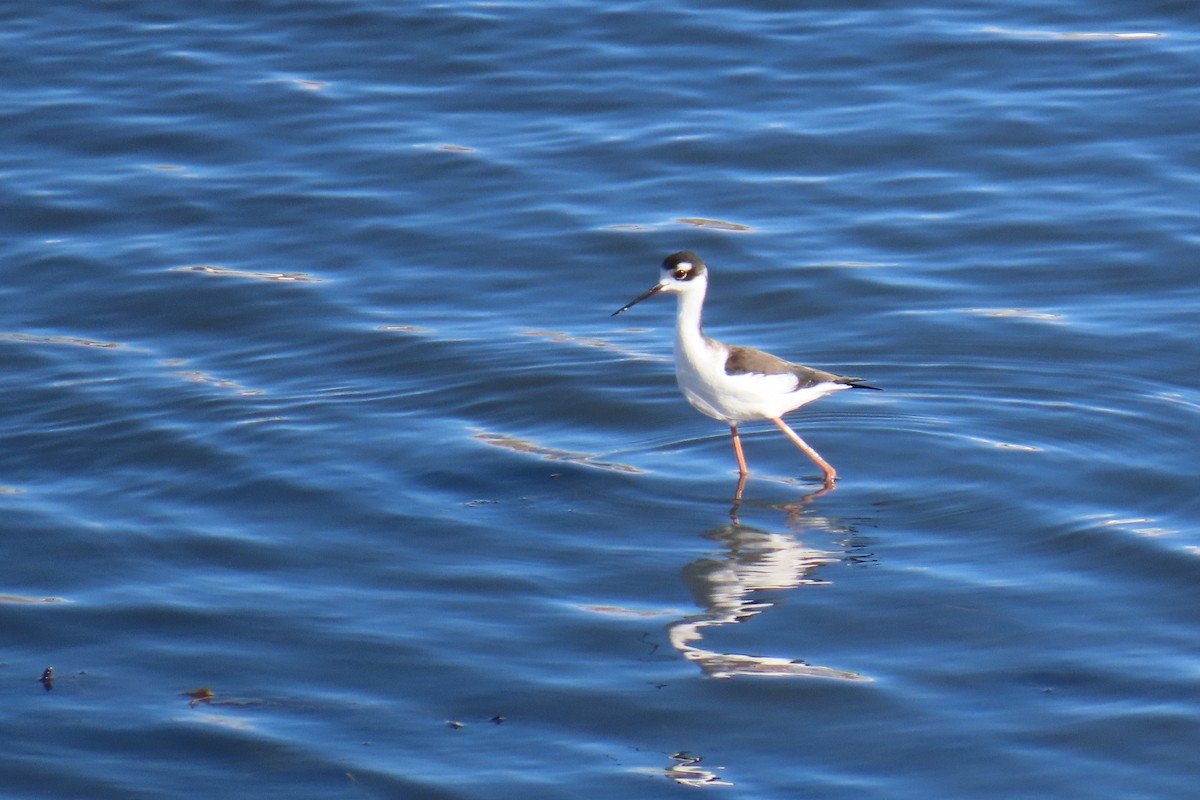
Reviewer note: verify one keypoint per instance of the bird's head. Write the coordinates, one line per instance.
(683, 271)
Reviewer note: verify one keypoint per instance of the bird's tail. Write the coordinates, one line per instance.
(858, 383)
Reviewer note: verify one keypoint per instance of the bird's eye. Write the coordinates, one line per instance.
(680, 274)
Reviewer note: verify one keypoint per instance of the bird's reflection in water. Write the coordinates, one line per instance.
(687, 771)
(729, 587)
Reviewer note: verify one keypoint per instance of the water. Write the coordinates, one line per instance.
(326, 472)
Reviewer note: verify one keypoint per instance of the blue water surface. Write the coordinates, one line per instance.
(326, 472)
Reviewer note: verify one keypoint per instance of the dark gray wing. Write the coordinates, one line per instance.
(747, 360)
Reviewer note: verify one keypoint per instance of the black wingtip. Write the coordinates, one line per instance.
(857, 383)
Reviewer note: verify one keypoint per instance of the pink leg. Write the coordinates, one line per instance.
(737, 450)
(826, 467)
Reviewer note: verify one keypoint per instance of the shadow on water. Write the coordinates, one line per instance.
(729, 585)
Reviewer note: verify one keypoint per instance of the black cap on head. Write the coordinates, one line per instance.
(684, 265)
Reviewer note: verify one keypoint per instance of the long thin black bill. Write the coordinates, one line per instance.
(652, 290)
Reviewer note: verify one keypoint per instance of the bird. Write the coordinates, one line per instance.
(731, 383)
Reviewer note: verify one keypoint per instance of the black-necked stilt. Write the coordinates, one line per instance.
(730, 383)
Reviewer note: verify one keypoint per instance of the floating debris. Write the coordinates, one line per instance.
(32, 338)
(1019, 313)
(1035, 34)
(403, 329)
(1027, 448)
(20, 598)
(225, 272)
(308, 85)
(624, 611)
(715, 224)
(548, 453)
(481, 502)
(199, 376)
(563, 336)
(205, 695)
(201, 695)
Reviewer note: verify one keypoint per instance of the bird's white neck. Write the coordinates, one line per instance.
(689, 336)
